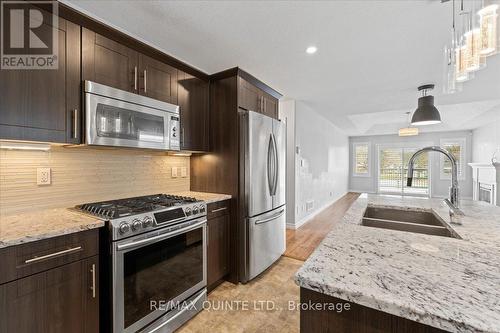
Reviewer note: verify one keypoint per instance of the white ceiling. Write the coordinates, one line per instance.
(371, 55)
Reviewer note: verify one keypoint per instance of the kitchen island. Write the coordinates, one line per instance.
(397, 281)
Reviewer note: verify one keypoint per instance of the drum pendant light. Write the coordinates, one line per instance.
(426, 113)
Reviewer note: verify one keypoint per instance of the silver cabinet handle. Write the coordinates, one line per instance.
(52, 255)
(219, 209)
(135, 78)
(75, 124)
(145, 81)
(92, 270)
(274, 217)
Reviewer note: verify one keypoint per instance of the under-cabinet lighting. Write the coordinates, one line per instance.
(180, 154)
(24, 146)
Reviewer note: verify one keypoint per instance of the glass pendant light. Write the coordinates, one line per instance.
(488, 25)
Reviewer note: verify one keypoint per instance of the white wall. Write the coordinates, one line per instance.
(485, 141)
(439, 187)
(322, 163)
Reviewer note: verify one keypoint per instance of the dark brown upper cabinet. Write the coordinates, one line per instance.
(107, 62)
(252, 98)
(113, 64)
(44, 104)
(157, 79)
(249, 96)
(193, 102)
(269, 106)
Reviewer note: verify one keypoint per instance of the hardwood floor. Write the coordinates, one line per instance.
(301, 242)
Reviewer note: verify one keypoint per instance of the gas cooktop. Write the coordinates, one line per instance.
(125, 207)
(132, 216)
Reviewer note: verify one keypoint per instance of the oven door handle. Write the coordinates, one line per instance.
(154, 239)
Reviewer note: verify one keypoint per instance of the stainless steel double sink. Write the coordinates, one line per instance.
(421, 222)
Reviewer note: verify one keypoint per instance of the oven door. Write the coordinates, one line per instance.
(156, 271)
(113, 122)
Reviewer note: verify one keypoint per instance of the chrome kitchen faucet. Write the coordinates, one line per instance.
(452, 202)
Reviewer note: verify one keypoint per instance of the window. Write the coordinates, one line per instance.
(457, 148)
(361, 159)
(393, 171)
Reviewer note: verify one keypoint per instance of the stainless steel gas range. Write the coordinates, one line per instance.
(158, 260)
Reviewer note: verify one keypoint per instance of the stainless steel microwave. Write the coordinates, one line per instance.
(119, 118)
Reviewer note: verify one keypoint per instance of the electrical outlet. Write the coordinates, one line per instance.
(174, 172)
(43, 176)
(184, 172)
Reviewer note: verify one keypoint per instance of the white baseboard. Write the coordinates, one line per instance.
(309, 217)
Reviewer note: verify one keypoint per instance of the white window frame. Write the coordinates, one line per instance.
(462, 142)
(369, 157)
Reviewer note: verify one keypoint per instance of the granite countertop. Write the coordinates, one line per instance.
(452, 284)
(205, 196)
(29, 227)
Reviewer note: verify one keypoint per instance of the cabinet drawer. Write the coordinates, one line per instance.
(218, 208)
(30, 258)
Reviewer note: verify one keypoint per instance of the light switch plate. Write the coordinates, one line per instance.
(43, 176)
(174, 172)
(184, 172)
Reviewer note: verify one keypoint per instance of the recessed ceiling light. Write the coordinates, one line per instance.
(311, 49)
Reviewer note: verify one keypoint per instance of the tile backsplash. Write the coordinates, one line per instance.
(85, 174)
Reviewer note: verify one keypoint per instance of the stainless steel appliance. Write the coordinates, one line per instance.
(263, 149)
(118, 118)
(158, 260)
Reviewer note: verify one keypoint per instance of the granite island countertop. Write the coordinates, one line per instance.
(32, 226)
(452, 284)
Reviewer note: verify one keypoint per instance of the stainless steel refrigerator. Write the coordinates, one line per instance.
(262, 167)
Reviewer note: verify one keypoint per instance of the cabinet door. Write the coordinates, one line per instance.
(108, 62)
(193, 102)
(41, 104)
(249, 96)
(57, 300)
(157, 80)
(270, 106)
(218, 249)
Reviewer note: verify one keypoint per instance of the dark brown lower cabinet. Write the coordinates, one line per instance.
(218, 243)
(330, 314)
(61, 299)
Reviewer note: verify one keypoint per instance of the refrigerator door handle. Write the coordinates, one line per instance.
(274, 217)
(276, 166)
(270, 161)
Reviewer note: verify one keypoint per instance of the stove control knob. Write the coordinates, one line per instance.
(202, 209)
(188, 211)
(124, 227)
(147, 221)
(136, 224)
(195, 210)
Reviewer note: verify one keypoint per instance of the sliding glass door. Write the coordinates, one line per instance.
(393, 171)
